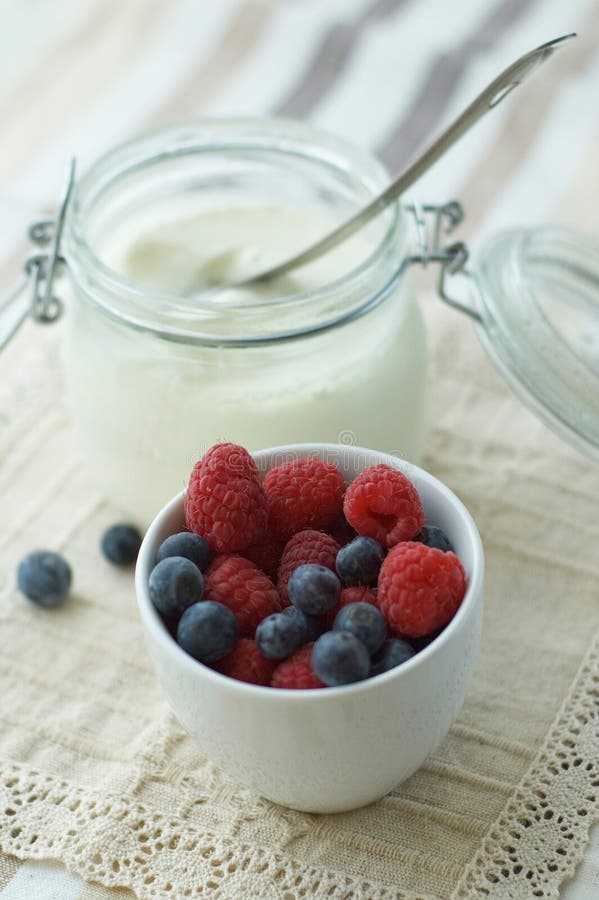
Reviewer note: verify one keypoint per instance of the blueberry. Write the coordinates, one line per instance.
(338, 657)
(314, 589)
(394, 653)
(280, 635)
(44, 577)
(175, 583)
(191, 546)
(311, 625)
(360, 561)
(207, 631)
(120, 544)
(365, 622)
(434, 537)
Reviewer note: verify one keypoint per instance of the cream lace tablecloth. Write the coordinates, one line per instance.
(94, 770)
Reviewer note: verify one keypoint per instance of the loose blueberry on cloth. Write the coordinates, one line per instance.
(120, 544)
(44, 578)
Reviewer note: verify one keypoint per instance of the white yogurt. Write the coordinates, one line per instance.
(188, 250)
(146, 408)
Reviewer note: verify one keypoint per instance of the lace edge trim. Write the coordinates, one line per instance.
(115, 843)
(534, 819)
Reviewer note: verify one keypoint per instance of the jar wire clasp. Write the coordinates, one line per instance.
(431, 222)
(33, 292)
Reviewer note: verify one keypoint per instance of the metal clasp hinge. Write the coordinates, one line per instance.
(431, 222)
(33, 293)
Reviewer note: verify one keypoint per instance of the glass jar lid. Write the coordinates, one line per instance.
(539, 312)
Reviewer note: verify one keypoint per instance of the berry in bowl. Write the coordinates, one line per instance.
(313, 614)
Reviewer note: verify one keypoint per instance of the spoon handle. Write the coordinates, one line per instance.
(492, 95)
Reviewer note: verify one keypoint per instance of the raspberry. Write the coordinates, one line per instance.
(239, 584)
(225, 502)
(358, 594)
(420, 588)
(296, 673)
(306, 493)
(383, 504)
(232, 459)
(305, 547)
(354, 594)
(246, 663)
(267, 555)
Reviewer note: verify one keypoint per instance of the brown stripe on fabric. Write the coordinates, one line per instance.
(9, 866)
(72, 74)
(525, 117)
(331, 57)
(441, 82)
(227, 54)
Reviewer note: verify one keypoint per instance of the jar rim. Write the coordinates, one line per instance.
(127, 301)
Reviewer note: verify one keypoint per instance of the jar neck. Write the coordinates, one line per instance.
(228, 163)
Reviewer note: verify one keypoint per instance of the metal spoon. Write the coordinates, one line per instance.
(492, 95)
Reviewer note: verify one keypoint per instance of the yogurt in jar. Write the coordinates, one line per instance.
(146, 408)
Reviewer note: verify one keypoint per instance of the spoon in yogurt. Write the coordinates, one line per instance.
(488, 99)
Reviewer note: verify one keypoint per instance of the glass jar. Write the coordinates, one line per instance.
(156, 377)
(159, 366)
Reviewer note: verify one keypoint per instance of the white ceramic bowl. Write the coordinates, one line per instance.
(332, 749)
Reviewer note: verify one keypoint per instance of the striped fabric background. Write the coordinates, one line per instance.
(76, 77)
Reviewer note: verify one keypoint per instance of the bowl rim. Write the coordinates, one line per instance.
(153, 624)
